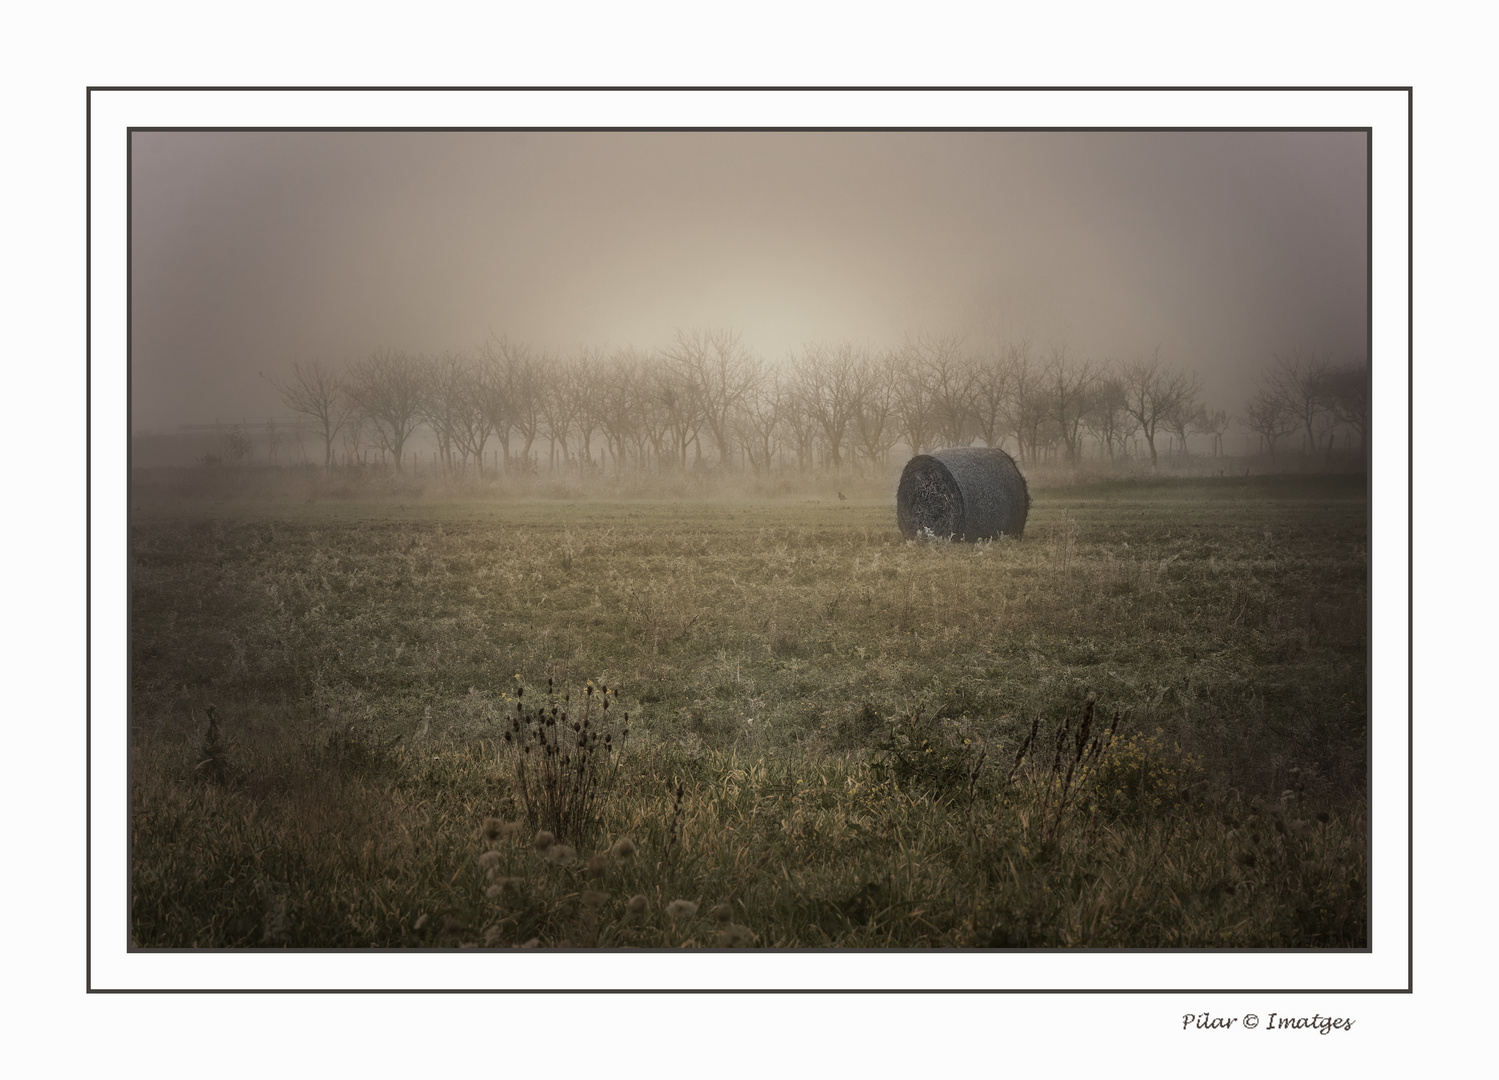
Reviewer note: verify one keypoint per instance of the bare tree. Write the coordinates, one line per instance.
(1154, 393)
(915, 409)
(675, 389)
(993, 386)
(1067, 390)
(827, 380)
(1267, 416)
(721, 372)
(454, 407)
(1345, 389)
(318, 394)
(388, 386)
(614, 401)
(1300, 381)
(876, 429)
(949, 376)
(558, 403)
(1214, 424)
(760, 423)
(527, 387)
(1027, 403)
(798, 421)
(1107, 416)
(1183, 417)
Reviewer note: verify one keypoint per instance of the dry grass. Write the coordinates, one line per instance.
(824, 722)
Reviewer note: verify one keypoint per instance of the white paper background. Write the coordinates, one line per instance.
(59, 52)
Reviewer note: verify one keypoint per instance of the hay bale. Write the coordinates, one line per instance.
(969, 493)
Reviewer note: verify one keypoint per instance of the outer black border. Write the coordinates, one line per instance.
(1410, 483)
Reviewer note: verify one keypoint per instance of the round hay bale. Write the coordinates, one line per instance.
(969, 493)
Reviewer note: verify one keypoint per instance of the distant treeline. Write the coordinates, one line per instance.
(707, 400)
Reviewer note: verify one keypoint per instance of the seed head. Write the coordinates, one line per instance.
(544, 840)
(597, 864)
(502, 886)
(636, 905)
(562, 854)
(492, 827)
(734, 936)
(721, 913)
(681, 908)
(488, 859)
(510, 828)
(624, 848)
(593, 898)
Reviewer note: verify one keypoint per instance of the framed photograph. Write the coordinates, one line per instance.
(750, 540)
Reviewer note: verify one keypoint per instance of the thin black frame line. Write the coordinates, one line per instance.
(1410, 495)
(734, 130)
(1410, 525)
(88, 540)
(613, 991)
(129, 505)
(583, 89)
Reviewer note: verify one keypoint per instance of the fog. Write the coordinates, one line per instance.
(251, 251)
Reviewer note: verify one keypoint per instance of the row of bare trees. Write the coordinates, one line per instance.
(705, 398)
(1311, 396)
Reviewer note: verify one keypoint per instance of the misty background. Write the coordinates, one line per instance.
(254, 251)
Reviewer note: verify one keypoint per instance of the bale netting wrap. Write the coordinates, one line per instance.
(969, 493)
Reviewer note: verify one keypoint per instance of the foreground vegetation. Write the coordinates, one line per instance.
(1143, 726)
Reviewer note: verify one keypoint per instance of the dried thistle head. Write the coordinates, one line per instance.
(502, 886)
(544, 841)
(678, 909)
(491, 828)
(593, 898)
(721, 913)
(489, 859)
(734, 936)
(635, 905)
(598, 863)
(510, 828)
(624, 848)
(562, 854)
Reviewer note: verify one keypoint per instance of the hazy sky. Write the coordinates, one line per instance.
(252, 250)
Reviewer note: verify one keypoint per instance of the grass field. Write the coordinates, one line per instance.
(824, 722)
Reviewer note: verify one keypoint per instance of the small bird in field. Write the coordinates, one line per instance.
(842, 497)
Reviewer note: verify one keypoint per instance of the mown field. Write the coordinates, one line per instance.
(825, 722)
